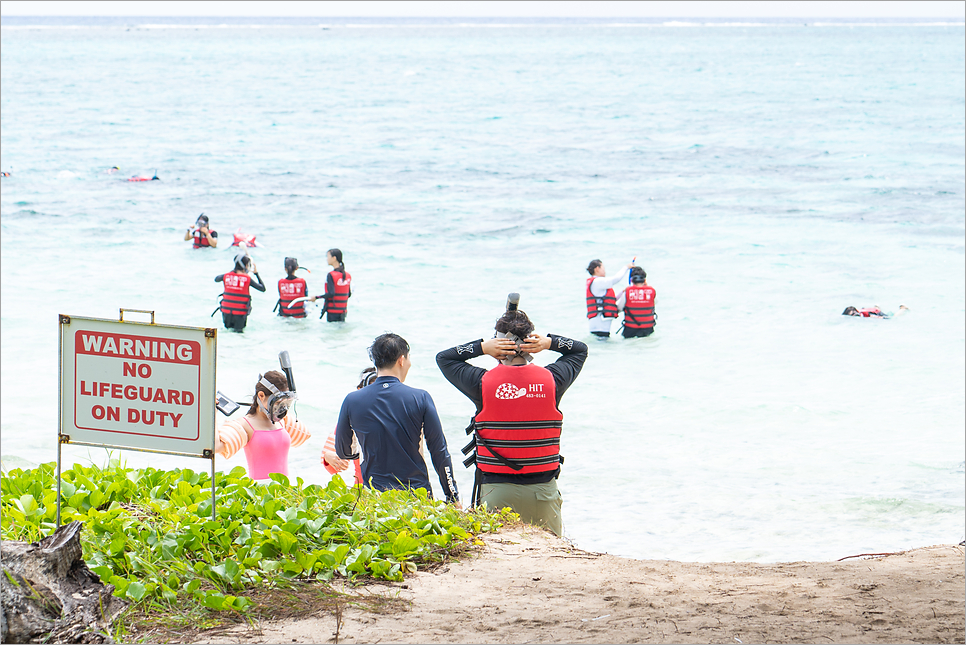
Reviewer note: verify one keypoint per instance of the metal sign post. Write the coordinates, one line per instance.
(137, 386)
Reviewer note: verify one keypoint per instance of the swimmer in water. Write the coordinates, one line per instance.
(868, 312)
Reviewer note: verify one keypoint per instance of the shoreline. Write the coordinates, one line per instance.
(527, 585)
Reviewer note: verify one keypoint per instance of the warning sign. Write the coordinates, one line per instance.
(137, 385)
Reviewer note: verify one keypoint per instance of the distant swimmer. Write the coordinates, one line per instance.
(601, 299)
(202, 235)
(338, 288)
(236, 301)
(291, 288)
(5, 174)
(144, 177)
(869, 312)
(113, 169)
(637, 301)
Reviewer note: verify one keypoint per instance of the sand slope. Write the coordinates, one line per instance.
(530, 586)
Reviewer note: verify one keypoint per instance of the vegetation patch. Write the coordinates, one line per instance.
(150, 533)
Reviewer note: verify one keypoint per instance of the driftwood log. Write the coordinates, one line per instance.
(49, 595)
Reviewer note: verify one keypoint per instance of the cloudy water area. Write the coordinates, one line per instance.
(766, 175)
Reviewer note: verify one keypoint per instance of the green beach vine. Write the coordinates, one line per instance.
(149, 532)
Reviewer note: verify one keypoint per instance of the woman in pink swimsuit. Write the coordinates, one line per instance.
(267, 432)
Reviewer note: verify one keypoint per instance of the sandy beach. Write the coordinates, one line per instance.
(528, 586)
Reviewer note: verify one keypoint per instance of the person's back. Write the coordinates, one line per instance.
(637, 301)
(388, 418)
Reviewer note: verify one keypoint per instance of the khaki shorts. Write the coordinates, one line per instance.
(535, 503)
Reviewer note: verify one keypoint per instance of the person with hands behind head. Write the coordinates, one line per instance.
(388, 419)
(202, 235)
(517, 425)
(236, 301)
(268, 430)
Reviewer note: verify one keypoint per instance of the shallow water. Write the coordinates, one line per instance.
(765, 176)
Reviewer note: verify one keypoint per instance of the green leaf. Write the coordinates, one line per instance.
(135, 591)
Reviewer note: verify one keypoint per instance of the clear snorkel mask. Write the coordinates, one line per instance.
(519, 341)
(279, 402)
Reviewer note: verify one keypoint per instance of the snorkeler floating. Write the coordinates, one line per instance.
(144, 178)
(872, 312)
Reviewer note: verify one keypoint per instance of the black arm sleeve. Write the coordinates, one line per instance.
(468, 379)
(258, 286)
(220, 278)
(566, 368)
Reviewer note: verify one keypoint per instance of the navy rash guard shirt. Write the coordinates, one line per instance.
(387, 418)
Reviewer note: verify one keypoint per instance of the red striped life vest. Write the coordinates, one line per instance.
(236, 299)
(339, 301)
(639, 307)
(201, 240)
(518, 429)
(289, 290)
(606, 305)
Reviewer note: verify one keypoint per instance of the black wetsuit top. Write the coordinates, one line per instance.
(387, 418)
(468, 379)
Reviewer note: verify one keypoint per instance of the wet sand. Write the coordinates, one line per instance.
(528, 586)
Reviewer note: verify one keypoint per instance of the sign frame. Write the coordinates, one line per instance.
(207, 373)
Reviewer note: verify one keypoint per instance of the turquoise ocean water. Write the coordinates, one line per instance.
(765, 174)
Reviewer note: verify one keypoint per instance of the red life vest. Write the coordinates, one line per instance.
(874, 311)
(339, 301)
(607, 305)
(236, 299)
(519, 424)
(639, 307)
(202, 240)
(289, 290)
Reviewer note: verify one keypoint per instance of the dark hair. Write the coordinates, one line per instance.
(242, 262)
(368, 376)
(203, 218)
(274, 377)
(638, 275)
(337, 254)
(386, 350)
(514, 322)
(291, 264)
(593, 266)
(851, 311)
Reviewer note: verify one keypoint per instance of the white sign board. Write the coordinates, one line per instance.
(137, 385)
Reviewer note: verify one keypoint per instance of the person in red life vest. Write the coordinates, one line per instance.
(330, 460)
(868, 312)
(517, 423)
(290, 288)
(202, 235)
(268, 430)
(601, 299)
(637, 301)
(338, 288)
(236, 301)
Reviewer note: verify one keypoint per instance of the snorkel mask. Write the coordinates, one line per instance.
(513, 304)
(519, 341)
(278, 403)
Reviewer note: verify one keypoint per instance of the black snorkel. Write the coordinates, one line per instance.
(286, 362)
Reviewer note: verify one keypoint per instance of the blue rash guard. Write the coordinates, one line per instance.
(387, 418)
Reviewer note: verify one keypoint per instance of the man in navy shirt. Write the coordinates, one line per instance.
(388, 419)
